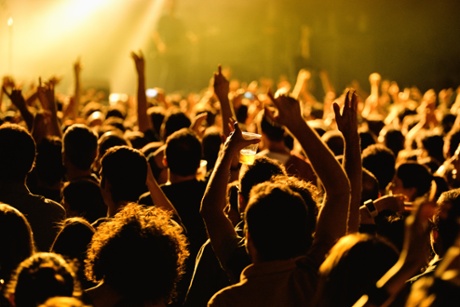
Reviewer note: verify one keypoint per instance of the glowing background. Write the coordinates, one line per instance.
(412, 42)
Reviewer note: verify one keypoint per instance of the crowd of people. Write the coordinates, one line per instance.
(353, 198)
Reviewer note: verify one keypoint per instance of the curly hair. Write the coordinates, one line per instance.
(140, 253)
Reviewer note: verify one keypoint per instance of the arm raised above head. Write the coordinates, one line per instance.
(347, 122)
(219, 227)
(332, 222)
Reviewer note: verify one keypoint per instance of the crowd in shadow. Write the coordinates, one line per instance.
(353, 198)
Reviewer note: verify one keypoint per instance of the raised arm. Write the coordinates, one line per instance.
(220, 229)
(332, 222)
(48, 101)
(142, 117)
(19, 102)
(221, 89)
(72, 109)
(347, 122)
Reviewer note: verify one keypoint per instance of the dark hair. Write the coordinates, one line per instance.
(183, 152)
(72, 242)
(367, 138)
(276, 219)
(48, 165)
(261, 170)
(415, 175)
(309, 193)
(394, 139)
(334, 141)
(73, 238)
(41, 276)
(370, 186)
(380, 161)
(446, 220)
(211, 143)
(452, 142)
(80, 146)
(17, 154)
(125, 168)
(16, 241)
(140, 253)
(110, 139)
(434, 145)
(174, 121)
(353, 266)
(273, 131)
(84, 198)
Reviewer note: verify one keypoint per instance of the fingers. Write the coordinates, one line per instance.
(6, 92)
(269, 114)
(336, 108)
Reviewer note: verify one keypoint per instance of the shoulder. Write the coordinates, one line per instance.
(228, 296)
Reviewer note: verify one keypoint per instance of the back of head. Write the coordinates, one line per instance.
(17, 154)
(174, 121)
(446, 220)
(394, 139)
(276, 220)
(334, 140)
(309, 193)
(110, 139)
(434, 145)
(451, 143)
(80, 146)
(41, 276)
(183, 152)
(211, 143)
(367, 138)
(48, 166)
(140, 253)
(16, 240)
(273, 131)
(73, 238)
(84, 198)
(354, 265)
(125, 170)
(415, 175)
(370, 186)
(261, 170)
(157, 115)
(380, 161)
(63, 301)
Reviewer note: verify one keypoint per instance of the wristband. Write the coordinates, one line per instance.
(371, 208)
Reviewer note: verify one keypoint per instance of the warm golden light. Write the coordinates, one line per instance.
(10, 22)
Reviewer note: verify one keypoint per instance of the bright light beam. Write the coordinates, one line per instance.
(124, 72)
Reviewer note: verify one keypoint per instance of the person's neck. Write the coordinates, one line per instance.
(174, 178)
(73, 173)
(277, 147)
(105, 296)
(114, 207)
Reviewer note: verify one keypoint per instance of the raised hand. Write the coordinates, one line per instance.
(139, 62)
(16, 97)
(221, 89)
(46, 96)
(347, 121)
(235, 141)
(288, 111)
(221, 85)
(77, 66)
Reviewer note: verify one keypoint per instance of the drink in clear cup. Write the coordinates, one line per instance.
(248, 153)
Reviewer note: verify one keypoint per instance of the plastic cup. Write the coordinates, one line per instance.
(248, 153)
